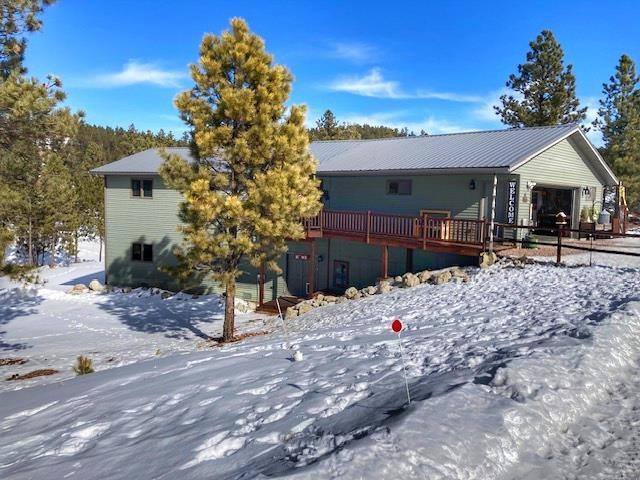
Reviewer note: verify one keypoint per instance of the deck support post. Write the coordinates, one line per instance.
(493, 211)
(312, 268)
(328, 260)
(385, 261)
(368, 225)
(261, 285)
(559, 246)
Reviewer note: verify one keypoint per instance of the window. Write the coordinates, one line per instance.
(142, 188)
(142, 252)
(147, 188)
(340, 274)
(135, 188)
(398, 187)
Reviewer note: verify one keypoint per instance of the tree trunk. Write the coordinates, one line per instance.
(52, 256)
(229, 311)
(30, 246)
(75, 246)
(100, 253)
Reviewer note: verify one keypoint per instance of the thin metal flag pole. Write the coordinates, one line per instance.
(284, 325)
(404, 370)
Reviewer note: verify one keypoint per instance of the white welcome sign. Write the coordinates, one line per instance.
(511, 201)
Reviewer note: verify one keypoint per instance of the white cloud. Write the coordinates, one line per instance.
(353, 51)
(449, 96)
(373, 84)
(485, 111)
(135, 73)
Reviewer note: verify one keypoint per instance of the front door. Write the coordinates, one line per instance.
(298, 274)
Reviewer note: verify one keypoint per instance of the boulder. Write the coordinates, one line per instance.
(96, 286)
(166, 294)
(290, 313)
(384, 287)
(126, 290)
(424, 276)
(410, 280)
(487, 259)
(330, 299)
(304, 307)
(78, 289)
(441, 277)
(371, 290)
(457, 272)
(351, 293)
(319, 297)
(342, 300)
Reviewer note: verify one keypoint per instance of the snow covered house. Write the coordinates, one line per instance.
(390, 206)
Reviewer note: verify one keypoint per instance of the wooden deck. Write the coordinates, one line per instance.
(450, 235)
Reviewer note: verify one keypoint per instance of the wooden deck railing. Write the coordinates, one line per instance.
(410, 228)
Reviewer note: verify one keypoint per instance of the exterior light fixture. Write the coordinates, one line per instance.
(472, 184)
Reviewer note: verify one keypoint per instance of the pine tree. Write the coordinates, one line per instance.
(253, 181)
(16, 18)
(32, 126)
(327, 126)
(56, 215)
(619, 121)
(544, 90)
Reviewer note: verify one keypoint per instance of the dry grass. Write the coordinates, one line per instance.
(34, 374)
(12, 361)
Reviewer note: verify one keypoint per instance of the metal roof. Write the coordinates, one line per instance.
(490, 150)
(145, 162)
(487, 149)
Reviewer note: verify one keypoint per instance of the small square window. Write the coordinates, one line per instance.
(398, 187)
(147, 253)
(142, 252)
(136, 251)
(135, 188)
(147, 188)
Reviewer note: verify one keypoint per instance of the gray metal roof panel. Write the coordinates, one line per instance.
(147, 161)
(484, 149)
(488, 149)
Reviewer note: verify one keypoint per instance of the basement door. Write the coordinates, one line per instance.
(298, 274)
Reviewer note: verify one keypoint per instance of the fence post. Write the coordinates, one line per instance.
(368, 224)
(484, 235)
(424, 231)
(559, 251)
(561, 221)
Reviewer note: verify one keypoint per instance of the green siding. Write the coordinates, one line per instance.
(147, 220)
(562, 165)
(152, 220)
(437, 192)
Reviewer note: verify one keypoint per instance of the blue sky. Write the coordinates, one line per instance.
(437, 66)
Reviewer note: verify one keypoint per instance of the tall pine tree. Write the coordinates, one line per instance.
(544, 90)
(17, 17)
(253, 181)
(619, 121)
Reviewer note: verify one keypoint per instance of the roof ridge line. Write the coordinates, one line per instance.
(470, 132)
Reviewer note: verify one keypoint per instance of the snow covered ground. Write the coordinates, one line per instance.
(520, 373)
(50, 328)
